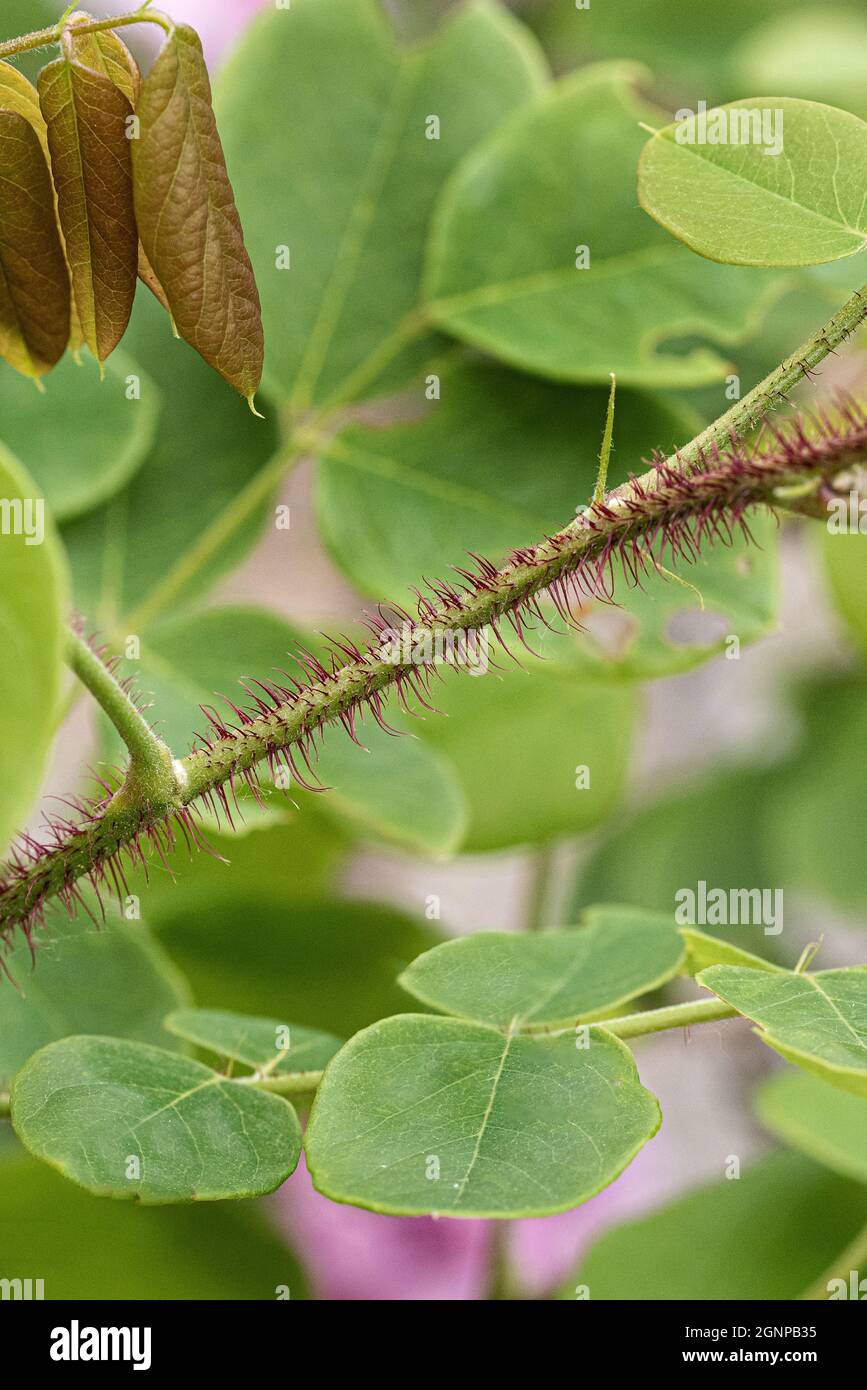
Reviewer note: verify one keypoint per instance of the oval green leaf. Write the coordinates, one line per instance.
(819, 1021)
(35, 297)
(187, 219)
(135, 1122)
(32, 614)
(282, 1051)
(551, 977)
(766, 181)
(436, 1115)
(594, 288)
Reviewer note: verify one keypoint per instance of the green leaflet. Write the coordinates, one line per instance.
(827, 1124)
(545, 260)
(551, 977)
(187, 219)
(703, 951)
(87, 438)
(285, 1052)
(418, 1115)
(399, 790)
(32, 617)
(34, 281)
(818, 1021)
(770, 181)
(339, 259)
(116, 981)
(769, 1235)
(91, 161)
(135, 1122)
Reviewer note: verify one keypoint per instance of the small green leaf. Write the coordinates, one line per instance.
(827, 1124)
(816, 1021)
(339, 261)
(549, 264)
(117, 982)
(187, 219)
(768, 181)
(35, 297)
(87, 439)
(32, 615)
(551, 977)
(703, 951)
(130, 1121)
(418, 1115)
(767, 1236)
(267, 1046)
(86, 115)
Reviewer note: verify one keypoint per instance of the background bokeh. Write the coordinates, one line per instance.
(743, 772)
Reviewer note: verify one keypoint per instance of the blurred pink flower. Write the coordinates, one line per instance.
(219, 22)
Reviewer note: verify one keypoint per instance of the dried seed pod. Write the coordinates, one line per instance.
(187, 219)
(34, 280)
(87, 117)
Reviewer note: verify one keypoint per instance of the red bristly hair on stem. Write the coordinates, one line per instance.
(670, 513)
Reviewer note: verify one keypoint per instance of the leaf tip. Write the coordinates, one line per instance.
(251, 401)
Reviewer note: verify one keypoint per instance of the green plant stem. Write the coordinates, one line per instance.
(147, 751)
(853, 1257)
(659, 1020)
(139, 808)
(44, 38)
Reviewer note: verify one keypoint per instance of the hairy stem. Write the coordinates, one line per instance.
(147, 751)
(702, 492)
(45, 38)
